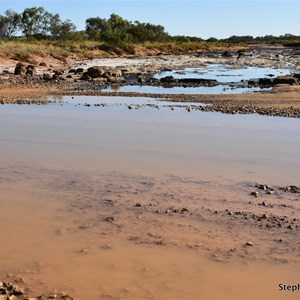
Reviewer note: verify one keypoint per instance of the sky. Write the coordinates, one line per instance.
(201, 18)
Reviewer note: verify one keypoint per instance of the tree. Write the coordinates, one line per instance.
(35, 21)
(59, 28)
(9, 23)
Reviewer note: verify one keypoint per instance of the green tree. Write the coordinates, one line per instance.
(9, 23)
(59, 28)
(35, 21)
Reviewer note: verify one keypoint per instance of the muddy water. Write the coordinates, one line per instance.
(66, 169)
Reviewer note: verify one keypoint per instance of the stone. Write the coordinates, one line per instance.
(30, 70)
(109, 219)
(95, 72)
(286, 80)
(20, 69)
(47, 76)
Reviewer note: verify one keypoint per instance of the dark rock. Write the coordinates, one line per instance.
(199, 81)
(43, 64)
(109, 219)
(20, 69)
(286, 80)
(95, 72)
(59, 72)
(79, 70)
(30, 70)
(168, 79)
(47, 76)
(226, 54)
(265, 81)
(297, 75)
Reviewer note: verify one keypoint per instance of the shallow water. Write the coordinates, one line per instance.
(151, 140)
(220, 89)
(229, 76)
(225, 73)
(66, 165)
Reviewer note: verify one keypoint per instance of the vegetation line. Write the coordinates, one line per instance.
(37, 32)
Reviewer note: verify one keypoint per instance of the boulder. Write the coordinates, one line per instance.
(30, 70)
(167, 79)
(297, 75)
(94, 72)
(226, 54)
(43, 64)
(265, 81)
(286, 80)
(20, 69)
(112, 73)
(115, 79)
(47, 76)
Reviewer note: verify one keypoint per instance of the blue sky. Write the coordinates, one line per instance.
(214, 18)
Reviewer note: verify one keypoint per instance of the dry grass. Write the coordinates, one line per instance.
(27, 50)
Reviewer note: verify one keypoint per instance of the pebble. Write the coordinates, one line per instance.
(110, 219)
(249, 244)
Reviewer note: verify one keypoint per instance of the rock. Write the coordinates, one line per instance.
(249, 244)
(43, 64)
(167, 79)
(30, 70)
(265, 81)
(198, 81)
(47, 76)
(138, 205)
(85, 226)
(79, 70)
(94, 72)
(20, 69)
(297, 75)
(59, 72)
(226, 54)
(286, 80)
(112, 73)
(255, 194)
(113, 79)
(109, 219)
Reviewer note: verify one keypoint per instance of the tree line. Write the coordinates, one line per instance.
(114, 32)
